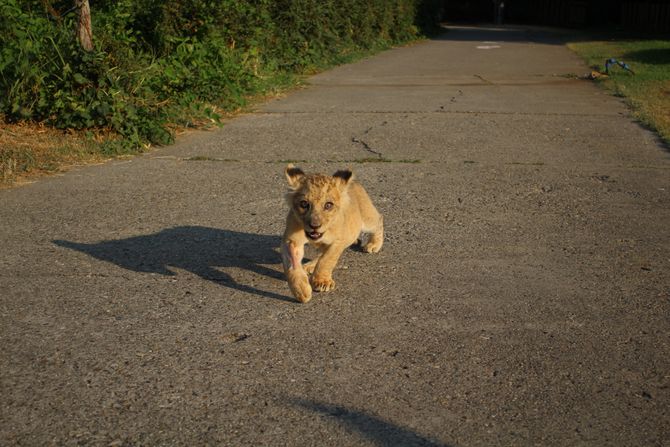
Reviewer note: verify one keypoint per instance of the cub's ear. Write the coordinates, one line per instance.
(345, 176)
(294, 176)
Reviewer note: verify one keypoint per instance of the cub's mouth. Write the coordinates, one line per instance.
(313, 235)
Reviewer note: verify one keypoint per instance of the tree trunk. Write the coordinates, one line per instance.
(84, 32)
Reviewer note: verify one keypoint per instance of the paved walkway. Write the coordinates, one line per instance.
(522, 296)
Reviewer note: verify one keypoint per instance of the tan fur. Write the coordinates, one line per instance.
(338, 209)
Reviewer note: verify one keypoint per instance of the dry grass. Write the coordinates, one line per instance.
(30, 150)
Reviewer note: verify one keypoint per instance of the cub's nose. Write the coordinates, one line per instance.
(314, 225)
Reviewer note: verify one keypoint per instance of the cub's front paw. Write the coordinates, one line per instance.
(373, 246)
(323, 283)
(299, 285)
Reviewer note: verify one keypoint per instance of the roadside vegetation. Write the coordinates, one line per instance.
(647, 91)
(161, 66)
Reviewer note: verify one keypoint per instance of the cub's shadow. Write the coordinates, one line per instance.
(199, 250)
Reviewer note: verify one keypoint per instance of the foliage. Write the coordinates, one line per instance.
(156, 61)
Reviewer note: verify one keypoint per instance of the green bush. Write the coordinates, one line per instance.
(153, 60)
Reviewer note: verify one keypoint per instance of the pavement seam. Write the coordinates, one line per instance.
(423, 112)
(401, 161)
(482, 83)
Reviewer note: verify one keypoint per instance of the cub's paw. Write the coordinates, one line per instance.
(323, 284)
(373, 246)
(298, 282)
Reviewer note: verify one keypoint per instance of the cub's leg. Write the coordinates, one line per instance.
(375, 226)
(322, 279)
(298, 281)
(311, 265)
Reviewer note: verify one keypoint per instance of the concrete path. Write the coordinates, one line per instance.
(522, 296)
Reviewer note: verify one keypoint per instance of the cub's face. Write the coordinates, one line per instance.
(316, 199)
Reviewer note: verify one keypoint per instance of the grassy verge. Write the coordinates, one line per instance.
(30, 150)
(647, 90)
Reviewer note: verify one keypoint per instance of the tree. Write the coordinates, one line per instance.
(84, 31)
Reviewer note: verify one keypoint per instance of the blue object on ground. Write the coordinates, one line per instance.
(622, 64)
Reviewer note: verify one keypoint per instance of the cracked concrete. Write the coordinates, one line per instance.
(521, 297)
(366, 146)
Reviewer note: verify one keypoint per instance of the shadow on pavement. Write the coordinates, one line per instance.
(374, 429)
(199, 250)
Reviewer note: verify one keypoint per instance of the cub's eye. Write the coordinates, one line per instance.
(304, 204)
(328, 206)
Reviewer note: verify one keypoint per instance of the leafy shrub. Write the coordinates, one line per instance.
(153, 59)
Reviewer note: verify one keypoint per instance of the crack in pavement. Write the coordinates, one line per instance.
(452, 100)
(365, 145)
(483, 79)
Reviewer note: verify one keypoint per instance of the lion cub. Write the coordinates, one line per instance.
(329, 212)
